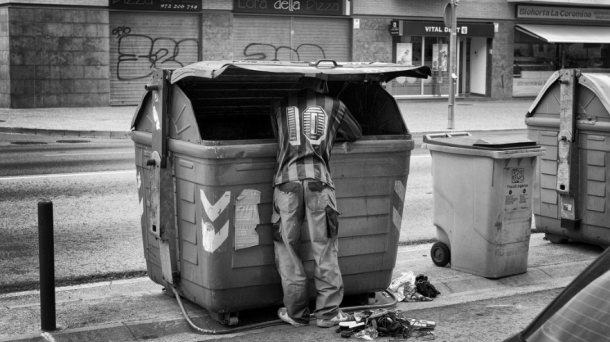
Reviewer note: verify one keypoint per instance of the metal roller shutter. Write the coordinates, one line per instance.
(268, 38)
(142, 41)
(322, 38)
(261, 38)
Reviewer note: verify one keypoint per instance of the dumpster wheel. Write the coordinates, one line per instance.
(556, 239)
(275, 322)
(440, 254)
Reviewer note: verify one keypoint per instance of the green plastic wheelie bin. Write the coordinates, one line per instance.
(205, 158)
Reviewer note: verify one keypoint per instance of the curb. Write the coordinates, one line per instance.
(67, 133)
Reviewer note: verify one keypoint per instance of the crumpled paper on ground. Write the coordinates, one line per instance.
(404, 289)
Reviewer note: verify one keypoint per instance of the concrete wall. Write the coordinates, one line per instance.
(218, 5)
(59, 57)
(217, 36)
(372, 42)
(5, 80)
(502, 61)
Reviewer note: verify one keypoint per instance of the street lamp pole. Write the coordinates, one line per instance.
(450, 11)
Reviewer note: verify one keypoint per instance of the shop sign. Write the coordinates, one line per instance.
(437, 29)
(563, 13)
(156, 5)
(396, 28)
(294, 7)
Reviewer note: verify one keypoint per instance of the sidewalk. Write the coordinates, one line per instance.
(115, 122)
(137, 309)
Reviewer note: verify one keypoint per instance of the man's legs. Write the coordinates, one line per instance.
(288, 203)
(321, 206)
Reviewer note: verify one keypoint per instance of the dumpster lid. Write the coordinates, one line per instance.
(466, 140)
(598, 83)
(324, 69)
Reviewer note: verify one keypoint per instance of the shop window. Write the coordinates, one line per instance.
(418, 50)
(536, 60)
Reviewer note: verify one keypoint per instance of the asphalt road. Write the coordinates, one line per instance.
(92, 185)
(22, 155)
(96, 218)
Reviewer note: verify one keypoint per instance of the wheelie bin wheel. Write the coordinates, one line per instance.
(440, 254)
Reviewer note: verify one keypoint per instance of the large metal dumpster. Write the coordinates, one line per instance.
(205, 157)
(571, 118)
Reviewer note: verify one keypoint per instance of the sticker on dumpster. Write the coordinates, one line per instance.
(517, 197)
(247, 218)
(518, 175)
(211, 239)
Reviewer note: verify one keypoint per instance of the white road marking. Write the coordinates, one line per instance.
(84, 154)
(57, 175)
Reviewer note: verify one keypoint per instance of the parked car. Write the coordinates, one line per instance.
(581, 312)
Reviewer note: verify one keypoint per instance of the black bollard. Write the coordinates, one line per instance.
(47, 265)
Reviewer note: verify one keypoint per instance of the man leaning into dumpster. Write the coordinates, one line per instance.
(305, 126)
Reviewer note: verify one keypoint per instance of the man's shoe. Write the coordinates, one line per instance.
(282, 313)
(327, 323)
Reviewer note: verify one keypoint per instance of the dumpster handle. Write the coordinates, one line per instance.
(429, 137)
(274, 322)
(317, 64)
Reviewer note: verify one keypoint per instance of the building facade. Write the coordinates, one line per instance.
(65, 53)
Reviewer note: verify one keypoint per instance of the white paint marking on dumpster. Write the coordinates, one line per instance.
(156, 117)
(140, 199)
(396, 218)
(67, 175)
(211, 239)
(214, 210)
(400, 189)
(47, 337)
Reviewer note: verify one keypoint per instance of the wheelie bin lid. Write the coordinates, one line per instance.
(495, 147)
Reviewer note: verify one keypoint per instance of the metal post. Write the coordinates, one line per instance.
(452, 64)
(47, 265)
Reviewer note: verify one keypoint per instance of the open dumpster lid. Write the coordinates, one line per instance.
(598, 83)
(325, 69)
(466, 140)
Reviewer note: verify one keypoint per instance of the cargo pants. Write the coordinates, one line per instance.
(314, 201)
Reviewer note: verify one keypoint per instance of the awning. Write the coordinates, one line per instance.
(567, 34)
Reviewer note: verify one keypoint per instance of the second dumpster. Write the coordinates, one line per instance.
(482, 202)
(571, 119)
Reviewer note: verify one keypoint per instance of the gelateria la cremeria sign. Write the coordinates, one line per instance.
(563, 13)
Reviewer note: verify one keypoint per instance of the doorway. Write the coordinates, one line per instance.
(478, 65)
